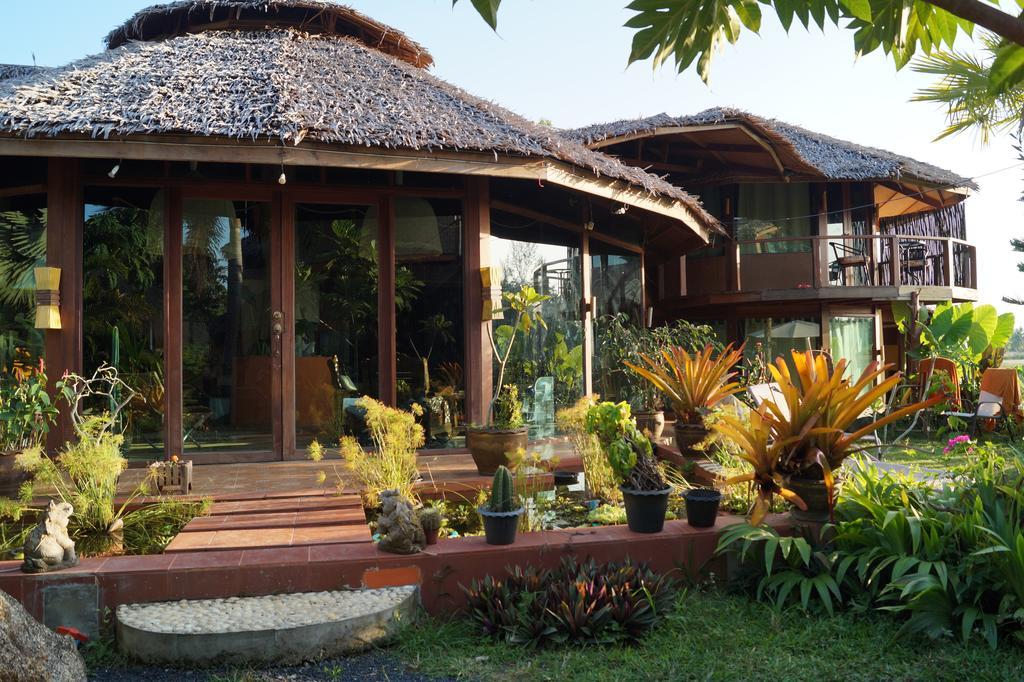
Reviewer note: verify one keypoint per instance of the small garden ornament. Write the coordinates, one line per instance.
(399, 528)
(48, 547)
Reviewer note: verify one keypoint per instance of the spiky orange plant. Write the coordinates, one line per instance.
(693, 383)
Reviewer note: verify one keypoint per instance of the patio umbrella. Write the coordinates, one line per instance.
(795, 329)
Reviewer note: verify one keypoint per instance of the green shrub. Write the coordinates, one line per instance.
(508, 409)
(579, 603)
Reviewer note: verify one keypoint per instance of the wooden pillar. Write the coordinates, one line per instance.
(173, 283)
(387, 345)
(478, 370)
(64, 245)
(947, 262)
(287, 287)
(281, 325)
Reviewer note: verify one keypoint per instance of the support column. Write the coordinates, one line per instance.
(64, 250)
(587, 316)
(478, 361)
(173, 285)
(387, 345)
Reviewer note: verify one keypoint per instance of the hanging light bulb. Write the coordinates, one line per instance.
(282, 179)
(112, 173)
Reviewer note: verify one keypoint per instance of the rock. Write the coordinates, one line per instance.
(31, 652)
(398, 525)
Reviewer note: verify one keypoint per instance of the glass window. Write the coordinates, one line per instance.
(769, 338)
(853, 338)
(546, 365)
(615, 281)
(122, 299)
(430, 332)
(770, 211)
(22, 249)
(335, 319)
(226, 335)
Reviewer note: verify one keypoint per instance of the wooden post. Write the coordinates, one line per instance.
(287, 287)
(386, 345)
(733, 264)
(895, 267)
(478, 361)
(64, 245)
(972, 253)
(947, 262)
(173, 307)
(587, 314)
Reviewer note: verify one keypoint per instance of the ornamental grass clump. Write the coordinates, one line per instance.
(575, 603)
(391, 463)
(597, 472)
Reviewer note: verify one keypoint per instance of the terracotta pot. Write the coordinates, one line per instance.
(688, 435)
(815, 494)
(653, 421)
(489, 447)
(11, 478)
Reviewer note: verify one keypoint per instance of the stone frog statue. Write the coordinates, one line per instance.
(399, 528)
(48, 547)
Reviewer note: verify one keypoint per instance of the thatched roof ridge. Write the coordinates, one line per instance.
(288, 86)
(315, 16)
(18, 70)
(830, 157)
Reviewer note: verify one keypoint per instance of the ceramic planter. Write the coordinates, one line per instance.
(814, 493)
(652, 422)
(702, 506)
(645, 509)
(689, 435)
(489, 447)
(11, 477)
(500, 527)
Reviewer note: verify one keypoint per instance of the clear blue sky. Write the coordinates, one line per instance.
(565, 61)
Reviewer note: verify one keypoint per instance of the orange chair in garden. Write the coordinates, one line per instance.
(998, 401)
(928, 372)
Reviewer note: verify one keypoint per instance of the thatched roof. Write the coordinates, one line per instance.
(286, 85)
(18, 70)
(800, 149)
(311, 16)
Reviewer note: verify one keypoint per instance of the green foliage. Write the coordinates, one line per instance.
(391, 464)
(507, 409)
(619, 339)
(524, 306)
(693, 382)
(607, 515)
(578, 603)
(597, 470)
(26, 410)
(629, 452)
(503, 497)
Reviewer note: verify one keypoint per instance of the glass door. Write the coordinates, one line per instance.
(230, 329)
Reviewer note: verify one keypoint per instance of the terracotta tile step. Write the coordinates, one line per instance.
(325, 517)
(206, 541)
(291, 504)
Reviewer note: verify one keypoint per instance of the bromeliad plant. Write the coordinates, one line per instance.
(694, 384)
(629, 452)
(813, 431)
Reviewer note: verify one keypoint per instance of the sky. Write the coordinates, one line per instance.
(565, 60)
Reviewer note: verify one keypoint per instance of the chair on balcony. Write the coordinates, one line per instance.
(847, 257)
(914, 259)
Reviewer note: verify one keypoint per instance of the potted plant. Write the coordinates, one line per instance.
(502, 511)
(795, 448)
(702, 506)
(644, 490)
(694, 384)
(505, 430)
(26, 415)
(430, 521)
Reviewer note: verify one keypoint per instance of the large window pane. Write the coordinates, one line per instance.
(546, 365)
(768, 212)
(226, 331)
(853, 338)
(769, 338)
(22, 248)
(430, 316)
(122, 297)
(335, 319)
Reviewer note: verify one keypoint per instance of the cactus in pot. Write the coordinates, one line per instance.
(502, 511)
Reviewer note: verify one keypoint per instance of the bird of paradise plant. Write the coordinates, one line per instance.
(693, 383)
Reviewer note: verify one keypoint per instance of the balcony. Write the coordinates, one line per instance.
(833, 267)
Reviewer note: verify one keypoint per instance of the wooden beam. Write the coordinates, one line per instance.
(22, 190)
(660, 165)
(478, 370)
(660, 132)
(173, 313)
(387, 347)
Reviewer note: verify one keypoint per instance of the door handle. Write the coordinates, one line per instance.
(277, 329)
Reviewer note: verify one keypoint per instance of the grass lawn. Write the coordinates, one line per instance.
(927, 453)
(714, 636)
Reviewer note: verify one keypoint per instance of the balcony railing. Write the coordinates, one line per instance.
(833, 261)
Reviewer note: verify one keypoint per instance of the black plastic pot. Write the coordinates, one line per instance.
(645, 509)
(702, 506)
(500, 527)
(566, 477)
